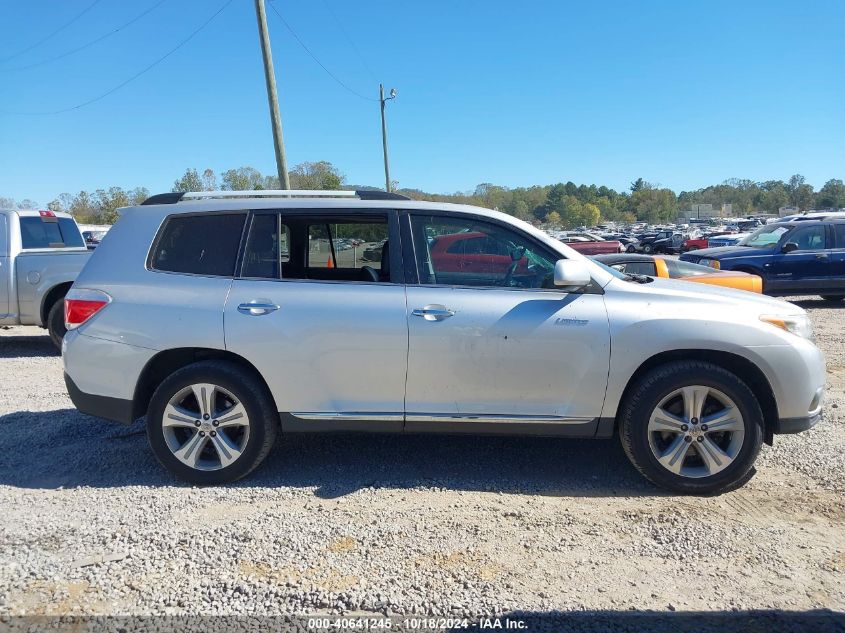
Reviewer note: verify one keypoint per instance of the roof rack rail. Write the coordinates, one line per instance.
(269, 193)
(362, 194)
(378, 194)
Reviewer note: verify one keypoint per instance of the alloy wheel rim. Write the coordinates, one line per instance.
(696, 431)
(205, 426)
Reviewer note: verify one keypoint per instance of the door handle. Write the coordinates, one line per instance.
(257, 307)
(434, 312)
(821, 255)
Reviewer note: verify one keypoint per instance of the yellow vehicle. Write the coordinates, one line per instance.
(657, 266)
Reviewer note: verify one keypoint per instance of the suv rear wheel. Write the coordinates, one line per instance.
(211, 422)
(692, 427)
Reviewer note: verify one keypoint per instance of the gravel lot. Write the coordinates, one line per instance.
(91, 524)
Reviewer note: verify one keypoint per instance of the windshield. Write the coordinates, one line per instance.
(765, 236)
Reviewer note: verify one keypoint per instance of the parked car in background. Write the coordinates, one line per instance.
(41, 253)
(647, 240)
(806, 257)
(726, 239)
(93, 237)
(694, 244)
(669, 245)
(372, 253)
(631, 244)
(222, 354)
(657, 266)
(589, 244)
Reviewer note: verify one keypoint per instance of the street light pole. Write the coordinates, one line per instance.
(272, 97)
(382, 101)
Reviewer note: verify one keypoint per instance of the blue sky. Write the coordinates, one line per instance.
(684, 94)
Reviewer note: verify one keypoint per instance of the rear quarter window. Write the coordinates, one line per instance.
(839, 230)
(199, 244)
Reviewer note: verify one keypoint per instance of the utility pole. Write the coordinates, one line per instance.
(382, 101)
(272, 97)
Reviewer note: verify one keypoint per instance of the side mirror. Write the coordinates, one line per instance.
(789, 247)
(570, 274)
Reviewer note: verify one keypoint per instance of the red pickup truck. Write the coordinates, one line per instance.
(694, 244)
(588, 244)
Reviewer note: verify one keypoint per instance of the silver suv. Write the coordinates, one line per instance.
(226, 318)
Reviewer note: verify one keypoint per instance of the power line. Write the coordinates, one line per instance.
(314, 57)
(58, 30)
(138, 74)
(92, 42)
(350, 40)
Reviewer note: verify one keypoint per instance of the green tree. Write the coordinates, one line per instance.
(82, 207)
(138, 195)
(654, 205)
(521, 210)
(61, 203)
(591, 214)
(190, 181)
(242, 179)
(108, 201)
(555, 199)
(316, 176)
(800, 193)
(209, 180)
(831, 195)
(553, 218)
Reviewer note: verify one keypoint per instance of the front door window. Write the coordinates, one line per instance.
(468, 252)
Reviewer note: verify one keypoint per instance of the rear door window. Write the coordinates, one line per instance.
(326, 248)
(199, 244)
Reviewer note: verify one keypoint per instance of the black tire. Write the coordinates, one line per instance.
(630, 249)
(264, 420)
(645, 396)
(833, 298)
(648, 249)
(56, 322)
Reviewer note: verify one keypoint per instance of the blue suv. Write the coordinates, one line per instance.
(793, 258)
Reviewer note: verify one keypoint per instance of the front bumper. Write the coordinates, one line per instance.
(796, 425)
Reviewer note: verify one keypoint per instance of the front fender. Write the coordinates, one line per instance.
(645, 325)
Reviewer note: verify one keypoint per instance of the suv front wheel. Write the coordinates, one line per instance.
(211, 422)
(692, 427)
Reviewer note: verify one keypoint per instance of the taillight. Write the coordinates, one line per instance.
(81, 304)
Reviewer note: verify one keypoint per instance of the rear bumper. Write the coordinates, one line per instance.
(115, 409)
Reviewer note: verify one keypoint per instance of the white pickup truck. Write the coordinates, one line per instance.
(41, 253)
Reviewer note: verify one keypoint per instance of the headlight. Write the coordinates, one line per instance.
(798, 324)
(713, 263)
